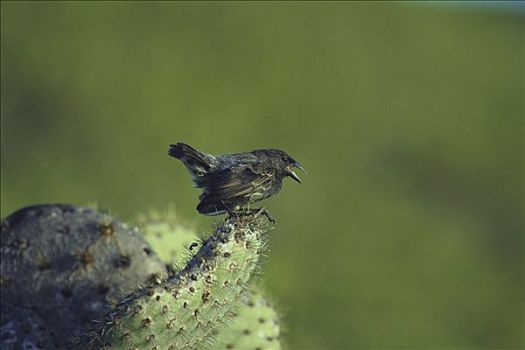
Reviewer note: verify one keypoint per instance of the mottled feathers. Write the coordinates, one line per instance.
(231, 181)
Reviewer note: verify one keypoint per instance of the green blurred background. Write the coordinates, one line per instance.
(408, 230)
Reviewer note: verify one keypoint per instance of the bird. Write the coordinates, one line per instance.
(232, 181)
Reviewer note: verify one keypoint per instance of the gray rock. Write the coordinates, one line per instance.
(60, 265)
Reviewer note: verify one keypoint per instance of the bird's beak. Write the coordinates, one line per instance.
(298, 166)
(292, 173)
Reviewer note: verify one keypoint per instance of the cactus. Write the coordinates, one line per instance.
(157, 308)
(255, 325)
(173, 241)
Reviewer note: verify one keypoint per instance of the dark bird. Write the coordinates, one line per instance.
(231, 181)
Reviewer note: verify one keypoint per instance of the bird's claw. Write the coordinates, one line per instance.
(263, 211)
(237, 212)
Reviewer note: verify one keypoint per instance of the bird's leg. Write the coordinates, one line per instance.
(238, 211)
(263, 211)
(235, 211)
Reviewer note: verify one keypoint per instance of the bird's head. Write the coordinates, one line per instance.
(285, 162)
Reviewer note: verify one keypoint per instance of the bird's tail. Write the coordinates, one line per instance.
(191, 157)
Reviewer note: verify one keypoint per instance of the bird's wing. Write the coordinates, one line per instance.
(235, 183)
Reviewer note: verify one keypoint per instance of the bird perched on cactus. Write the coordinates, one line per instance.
(231, 181)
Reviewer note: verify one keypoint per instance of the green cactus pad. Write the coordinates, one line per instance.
(182, 312)
(172, 241)
(254, 326)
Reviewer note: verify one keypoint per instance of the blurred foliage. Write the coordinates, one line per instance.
(407, 231)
